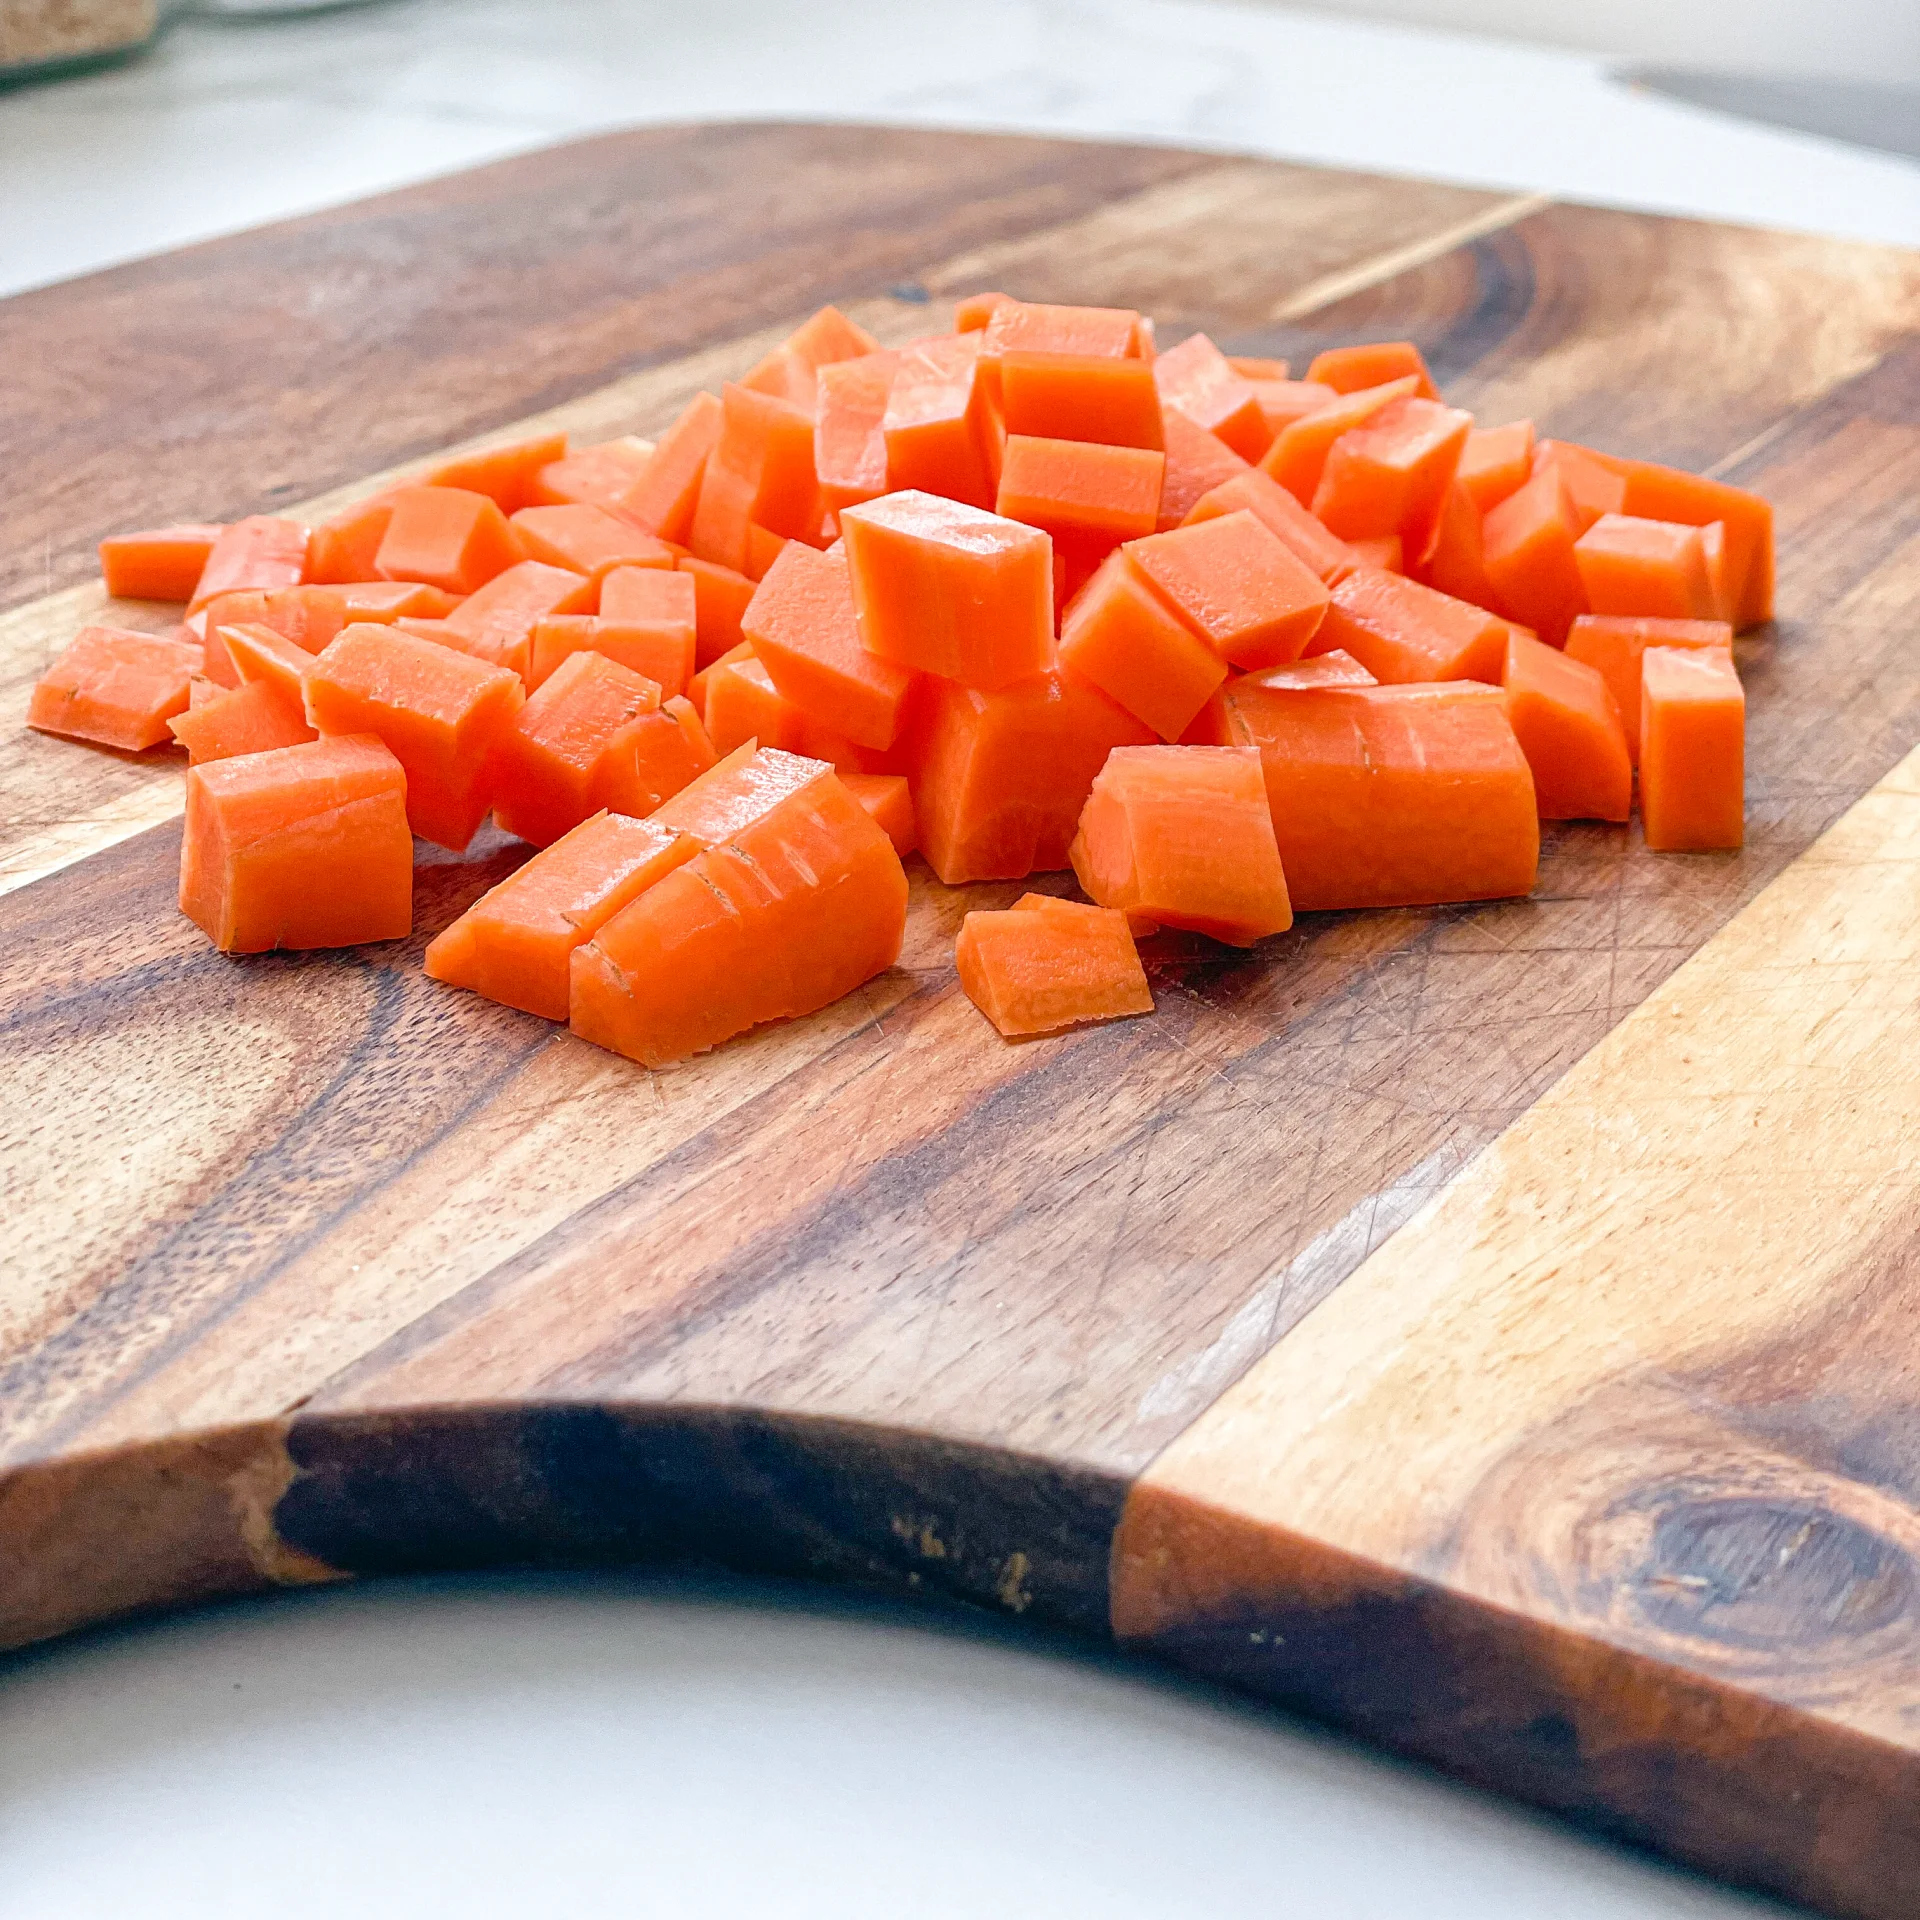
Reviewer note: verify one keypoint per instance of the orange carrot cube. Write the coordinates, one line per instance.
(740, 703)
(1693, 729)
(344, 550)
(1258, 493)
(791, 371)
(887, 797)
(1664, 493)
(446, 537)
(662, 499)
(1040, 969)
(1087, 497)
(1196, 464)
(1595, 484)
(720, 597)
(262, 656)
(1568, 726)
(114, 687)
(256, 552)
(1529, 556)
(1195, 379)
(1032, 326)
(1253, 366)
(1654, 569)
(1120, 635)
(1390, 474)
(1614, 647)
(849, 428)
(1298, 455)
(1238, 585)
(1063, 396)
(496, 622)
(1353, 369)
(1282, 402)
(588, 540)
(1402, 632)
(937, 421)
(1496, 462)
(254, 718)
(597, 476)
(760, 473)
(1455, 557)
(164, 564)
(504, 474)
(646, 622)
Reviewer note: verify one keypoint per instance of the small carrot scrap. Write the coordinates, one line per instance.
(589, 540)
(1195, 379)
(495, 622)
(791, 371)
(596, 476)
(254, 718)
(663, 496)
(849, 428)
(446, 537)
(1196, 464)
(760, 474)
(1402, 632)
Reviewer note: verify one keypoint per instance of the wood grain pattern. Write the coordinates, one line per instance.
(319, 1268)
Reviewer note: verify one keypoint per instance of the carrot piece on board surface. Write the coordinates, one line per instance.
(741, 704)
(1594, 484)
(262, 656)
(946, 588)
(792, 368)
(1390, 475)
(1351, 369)
(1664, 493)
(1529, 558)
(1259, 494)
(1496, 462)
(1181, 837)
(1120, 635)
(299, 847)
(1040, 969)
(971, 314)
(1298, 455)
(1238, 585)
(1564, 716)
(1454, 559)
(937, 421)
(440, 712)
(504, 474)
(849, 429)
(163, 564)
(1614, 647)
(589, 540)
(1282, 402)
(1334, 669)
(806, 635)
(1196, 464)
(597, 476)
(515, 944)
(446, 537)
(1655, 569)
(1066, 396)
(1194, 377)
(114, 687)
(1392, 796)
(259, 551)
(720, 597)
(1693, 729)
(496, 622)
(999, 778)
(800, 901)
(887, 797)
(1403, 633)
(646, 622)
(1253, 366)
(663, 496)
(760, 473)
(1087, 497)
(254, 718)
(343, 550)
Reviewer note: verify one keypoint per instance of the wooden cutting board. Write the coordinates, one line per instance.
(1493, 1328)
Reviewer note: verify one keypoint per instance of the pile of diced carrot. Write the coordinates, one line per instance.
(1025, 596)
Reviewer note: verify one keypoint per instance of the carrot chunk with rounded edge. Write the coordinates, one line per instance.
(597, 476)
(254, 718)
(515, 944)
(1594, 486)
(1298, 455)
(1282, 402)
(114, 687)
(504, 474)
(760, 473)
(1454, 559)
(1352, 369)
(1402, 632)
(1259, 494)
(588, 540)
(1693, 727)
(1335, 669)
(446, 537)
(1569, 728)
(1037, 970)
(1063, 396)
(945, 588)
(1251, 366)
(1088, 498)
(720, 597)
(1496, 462)
(806, 635)
(742, 704)
(849, 429)
(999, 778)
(1664, 493)
(1238, 585)
(936, 424)
(1181, 837)
(299, 847)
(802, 901)
(1196, 464)
(343, 550)
(888, 799)
(1529, 556)
(971, 314)
(792, 368)
(496, 623)
(1392, 796)
(440, 712)
(1651, 568)
(163, 564)
(1390, 475)
(666, 490)
(1194, 378)
(1122, 637)
(1614, 646)
(256, 552)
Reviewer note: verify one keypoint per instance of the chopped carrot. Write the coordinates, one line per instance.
(1569, 728)
(1595, 485)
(1653, 569)
(1334, 669)
(720, 597)
(802, 900)
(1065, 396)
(1031, 326)
(1402, 632)
(760, 473)
(496, 623)
(516, 943)
(791, 370)
(1390, 474)
(1352, 369)
(972, 314)
(589, 540)
(257, 552)
(1087, 497)
(1298, 455)
(1250, 366)
(1120, 635)
(1664, 493)
(299, 847)
(504, 474)
(1238, 585)
(165, 564)
(849, 429)
(254, 718)
(1038, 970)
(945, 588)
(1259, 494)
(1392, 796)
(343, 550)
(805, 634)
(1693, 723)
(1196, 464)
(697, 686)
(1529, 555)
(740, 704)
(1282, 402)
(763, 549)
(887, 797)
(1614, 647)
(264, 657)
(646, 622)
(598, 476)
(1181, 837)
(1455, 558)
(310, 616)
(440, 712)
(114, 687)
(446, 537)
(1383, 552)
(662, 499)
(936, 421)
(1194, 378)
(1496, 462)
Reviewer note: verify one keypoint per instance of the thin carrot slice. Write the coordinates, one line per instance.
(1390, 475)
(792, 369)
(1196, 464)
(516, 943)
(1568, 726)
(1615, 647)
(663, 496)
(446, 537)
(888, 799)
(164, 564)
(1120, 635)
(936, 423)
(254, 718)
(504, 474)
(496, 623)
(1402, 632)
(344, 550)
(588, 540)
(760, 473)
(1298, 456)
(1353, 369)
(1259, 494)
(1181, 837)
(849, 428)
(257, 552)
(299, 847)
(1693, 723)
(1496, 462)
(597, 476)
(440, 712)
(1062, 396)
(1195, 379)
(1529, 556)
(720, 596)
(114, 687)
(1041, 970)
(1238, 585)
